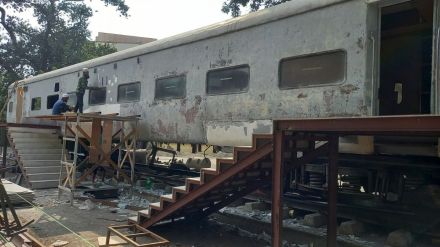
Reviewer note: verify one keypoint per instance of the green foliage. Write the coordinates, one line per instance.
(92, 50)
(60, 38)
(233, 7)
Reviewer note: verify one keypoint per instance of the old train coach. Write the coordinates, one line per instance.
(222, 83)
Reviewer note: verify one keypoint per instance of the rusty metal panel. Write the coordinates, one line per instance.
(408, 125)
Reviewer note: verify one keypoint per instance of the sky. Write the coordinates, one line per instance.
(156, 18)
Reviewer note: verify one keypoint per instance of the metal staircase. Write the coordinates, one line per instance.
(217, 187)
(38, 153)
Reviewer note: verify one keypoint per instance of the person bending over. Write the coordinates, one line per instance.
(61, 106)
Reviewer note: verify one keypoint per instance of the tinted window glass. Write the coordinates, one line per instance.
(36, 104)
(171, 87)
(312, 70)
(57, 87)
(97, 96)
(129, 92)
(229, 80)
(51, 99)
(11, 106)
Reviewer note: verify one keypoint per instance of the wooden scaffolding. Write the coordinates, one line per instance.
(100, 136)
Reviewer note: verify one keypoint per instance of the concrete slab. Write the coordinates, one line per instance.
(351, 227)
(400, 238)
(256, 206)
(315, 220)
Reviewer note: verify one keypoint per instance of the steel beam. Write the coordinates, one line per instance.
(407, 125)
(201, 190)
(332, 223)
(277, 189)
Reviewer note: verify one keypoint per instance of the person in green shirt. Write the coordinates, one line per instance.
(81, 89)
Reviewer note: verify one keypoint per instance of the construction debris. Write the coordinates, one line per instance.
(87, 205)
(59, 243)
(17, 194)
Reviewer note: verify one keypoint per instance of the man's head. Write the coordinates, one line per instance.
(65, 97)
(85, 72)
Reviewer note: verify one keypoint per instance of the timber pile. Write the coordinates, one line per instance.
(17, 194)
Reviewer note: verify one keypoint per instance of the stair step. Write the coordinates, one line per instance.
(241, 152)
(40, 156)
(179, 191)
(28, 151)
(31, 130)
(40, 145)
(168, 197)
(224, 164)
(261, 139)
(180, 188)
(236, 182)
(144, 213)
(132, 220)
(40, 163)
(156, 206)
(44, 184)
(43, 169)
(44, 176)
(43, 139)
(194, 180)
(209, 170)
(207, 174)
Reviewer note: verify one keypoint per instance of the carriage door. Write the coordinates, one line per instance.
(406, 57)
(20, 102)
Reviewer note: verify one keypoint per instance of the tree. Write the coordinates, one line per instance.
(233, 7)
(60, 38)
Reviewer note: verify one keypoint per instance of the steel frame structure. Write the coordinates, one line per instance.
(286, 132)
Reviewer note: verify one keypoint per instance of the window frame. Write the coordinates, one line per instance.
(11, 106)
(32, 104)
(170, 97)
(229, 68)
(90, 94)
(126, 84)
(342, 81)
(47, 100)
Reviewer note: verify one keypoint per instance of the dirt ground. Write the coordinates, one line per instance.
(57, 220)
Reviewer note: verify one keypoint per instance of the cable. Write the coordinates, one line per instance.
(59, 223)
(6, 242)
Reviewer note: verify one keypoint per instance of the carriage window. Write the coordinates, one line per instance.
(171, 87)
(11, 106)
(57, 87)
(129, 92)
(229, 80)
(97, 96)
(36, 104)
(51, 99)
(313, 70)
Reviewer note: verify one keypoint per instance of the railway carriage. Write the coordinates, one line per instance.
(221, 84)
